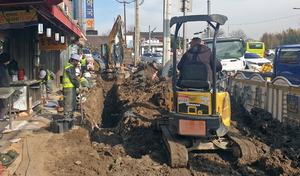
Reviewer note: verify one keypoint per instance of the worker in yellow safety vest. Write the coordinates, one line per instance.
(84, 63)
(70, 83)
(46, 76)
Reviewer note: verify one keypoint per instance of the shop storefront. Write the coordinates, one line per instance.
(37, 34)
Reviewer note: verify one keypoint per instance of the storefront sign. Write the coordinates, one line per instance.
(49, 43)
(20, 16)
(90, 24)
(89, 14)
(29, 2)
(9, 2)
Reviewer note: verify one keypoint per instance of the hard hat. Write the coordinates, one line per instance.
(75, 57)
(84, 55)
(87, 75)
(42, 74)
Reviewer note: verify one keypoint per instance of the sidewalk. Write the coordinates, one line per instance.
(13, 138)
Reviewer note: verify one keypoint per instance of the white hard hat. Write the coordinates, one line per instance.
(42, 74)
(75, 57)
(87, 75)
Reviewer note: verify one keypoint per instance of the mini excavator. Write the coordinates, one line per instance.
(200, 114)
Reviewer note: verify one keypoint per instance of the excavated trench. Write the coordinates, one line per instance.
(123, 114)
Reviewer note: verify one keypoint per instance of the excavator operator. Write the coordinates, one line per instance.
(199, 52)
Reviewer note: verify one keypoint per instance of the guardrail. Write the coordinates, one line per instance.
(277, 96)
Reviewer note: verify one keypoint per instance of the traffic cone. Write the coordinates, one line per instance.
(154, 75)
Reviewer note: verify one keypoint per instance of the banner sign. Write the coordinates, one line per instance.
(20, 16)
(90, 24)
(90, 14)
(49, 43)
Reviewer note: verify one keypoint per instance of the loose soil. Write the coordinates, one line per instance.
(119, 136)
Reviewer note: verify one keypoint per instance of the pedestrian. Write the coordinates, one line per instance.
(199, 52)
(46, 76)
(4, 80)
(70, 83)
(84, 63)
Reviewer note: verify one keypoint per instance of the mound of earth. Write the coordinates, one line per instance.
(120, 136)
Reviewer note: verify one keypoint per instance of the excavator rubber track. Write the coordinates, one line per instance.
(178, 154)
(243, 148)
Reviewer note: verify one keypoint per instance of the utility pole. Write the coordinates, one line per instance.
(125, 2)
(137, 32)
(208, 13)
(150, 38)
(167, 38)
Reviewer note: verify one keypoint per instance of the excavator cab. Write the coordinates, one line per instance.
(200, 112)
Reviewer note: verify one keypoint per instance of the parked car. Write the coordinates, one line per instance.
(152, 58)
(270, 52)
(254, 61)
(87, 52)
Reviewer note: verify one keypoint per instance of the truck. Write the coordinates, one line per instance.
(277, 92)
(230, 51)
(287, 63)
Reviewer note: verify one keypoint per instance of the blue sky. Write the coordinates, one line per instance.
(254, 17)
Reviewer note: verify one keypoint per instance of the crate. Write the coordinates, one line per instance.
(59, 126)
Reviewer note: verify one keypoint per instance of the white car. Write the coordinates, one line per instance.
(152, 58)
(254, 61)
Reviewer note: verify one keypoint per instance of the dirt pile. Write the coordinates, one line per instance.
(125, 139)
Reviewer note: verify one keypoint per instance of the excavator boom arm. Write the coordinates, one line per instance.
(117, 29)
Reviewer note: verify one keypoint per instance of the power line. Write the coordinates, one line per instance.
(266, 21)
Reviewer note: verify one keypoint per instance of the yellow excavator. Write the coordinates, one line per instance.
(112, 52)
(200, 112)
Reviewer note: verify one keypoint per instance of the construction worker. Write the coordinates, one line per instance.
(70, 83)
(84, 80)
(199, 52)
(46, 76)
(84, 64)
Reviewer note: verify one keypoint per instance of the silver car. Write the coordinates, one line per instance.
(152, 58)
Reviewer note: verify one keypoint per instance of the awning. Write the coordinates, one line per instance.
(29, 2)
(59, 15)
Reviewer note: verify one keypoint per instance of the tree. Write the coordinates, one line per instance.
(238, 33)
(286, 37)
(221, 33)
(130, 28)
(271, 40)
(106, 33)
